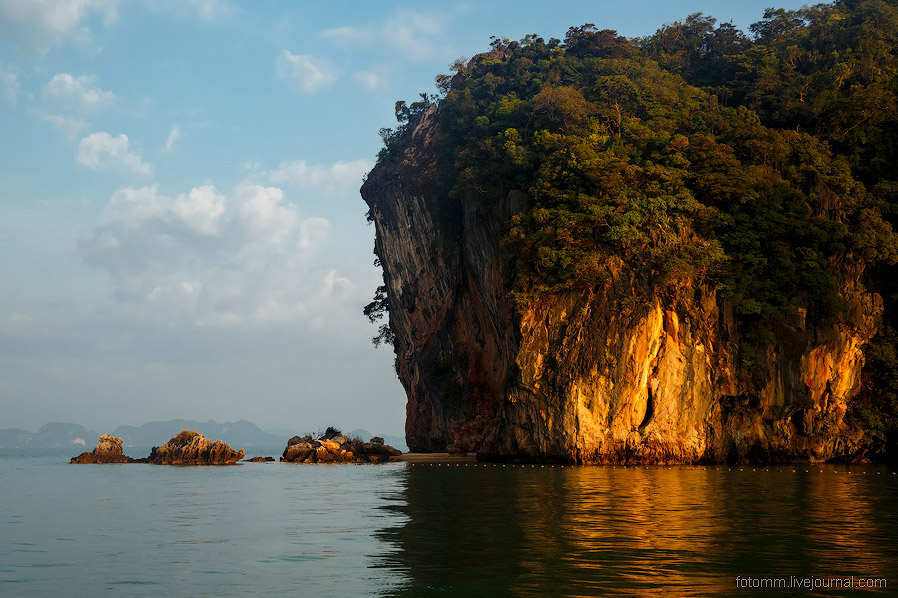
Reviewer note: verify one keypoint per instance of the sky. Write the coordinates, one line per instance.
(181, 232)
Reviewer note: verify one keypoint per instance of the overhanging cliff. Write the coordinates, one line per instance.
(661, 341)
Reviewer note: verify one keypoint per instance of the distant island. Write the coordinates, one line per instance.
(240, 433)
(189, 447)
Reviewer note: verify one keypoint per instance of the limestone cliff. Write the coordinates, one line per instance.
(191, 448)
(109, 450)
(624, 372)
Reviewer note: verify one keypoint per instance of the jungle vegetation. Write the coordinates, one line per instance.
(763, 163)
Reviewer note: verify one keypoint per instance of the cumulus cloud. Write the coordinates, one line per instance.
(414, 35)
(101, 150)
(348, 35)
(207, 10)
(265, 216)
(370, 80)
(312, 231)
(306, 73)
(173, 136)
(9, 85)
(76, 92)
(333, 179)
(244, 259)
(201, 209)
(70, 126)
(41, 23)
(211, 10)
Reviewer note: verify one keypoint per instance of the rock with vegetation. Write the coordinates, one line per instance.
(109, 450)
(672, 249)
(333, 447)
(191, 448)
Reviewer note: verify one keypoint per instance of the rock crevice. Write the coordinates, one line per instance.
(623, 372)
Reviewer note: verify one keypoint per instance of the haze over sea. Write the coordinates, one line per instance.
(437, 530)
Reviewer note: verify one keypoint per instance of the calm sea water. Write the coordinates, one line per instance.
(402, 530)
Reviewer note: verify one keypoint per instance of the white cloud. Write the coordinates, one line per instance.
(370, 80)
(348, 35)
(70, 126)
(312, 231)
(337, 178)
(413, 35)
(75, 91)
(9, 84)
(201, 209)
(211, 10)
(101, 150)
(208, 10)
(41, 23)
(246, 259)
(265, 216)
(173, 136)
(307, 73)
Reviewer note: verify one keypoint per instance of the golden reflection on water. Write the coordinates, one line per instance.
(646, 531)
(655, 523)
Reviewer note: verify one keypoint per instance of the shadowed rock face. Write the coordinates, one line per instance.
(338, 449)
(622, 373)
(108, 451)
(196, 450)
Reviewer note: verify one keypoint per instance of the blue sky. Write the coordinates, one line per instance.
(181, 233)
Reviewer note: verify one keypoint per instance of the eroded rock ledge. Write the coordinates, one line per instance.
(192, 448)
(109, 450)
(334, 447)
(625, 372)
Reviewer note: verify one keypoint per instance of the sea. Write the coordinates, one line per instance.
(466, 529)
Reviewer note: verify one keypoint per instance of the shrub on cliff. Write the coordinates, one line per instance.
(184, 436)
(762, 165)
(625, 166)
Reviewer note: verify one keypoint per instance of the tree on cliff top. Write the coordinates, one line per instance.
(756, 164)
(184, 436)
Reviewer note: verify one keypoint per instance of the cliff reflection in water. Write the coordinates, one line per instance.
(593, 531)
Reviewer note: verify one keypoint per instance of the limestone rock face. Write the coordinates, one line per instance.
(337, 449)
(109, 450)
(196, 450)
(621, 373)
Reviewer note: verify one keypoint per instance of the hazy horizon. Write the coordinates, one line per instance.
(275, 430)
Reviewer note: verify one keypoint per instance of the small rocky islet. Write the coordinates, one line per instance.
(192, 448)
(334, 447)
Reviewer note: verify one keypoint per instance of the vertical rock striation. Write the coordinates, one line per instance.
(626, 372)
(109, 450)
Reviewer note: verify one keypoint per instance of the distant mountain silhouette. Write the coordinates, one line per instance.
(51, 435)
(238, 434)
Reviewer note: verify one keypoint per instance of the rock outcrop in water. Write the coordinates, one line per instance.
(191, 448)
(622, 372)
(109, 450)
(334, 447)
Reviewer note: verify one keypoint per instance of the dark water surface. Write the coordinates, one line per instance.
(402, 530)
